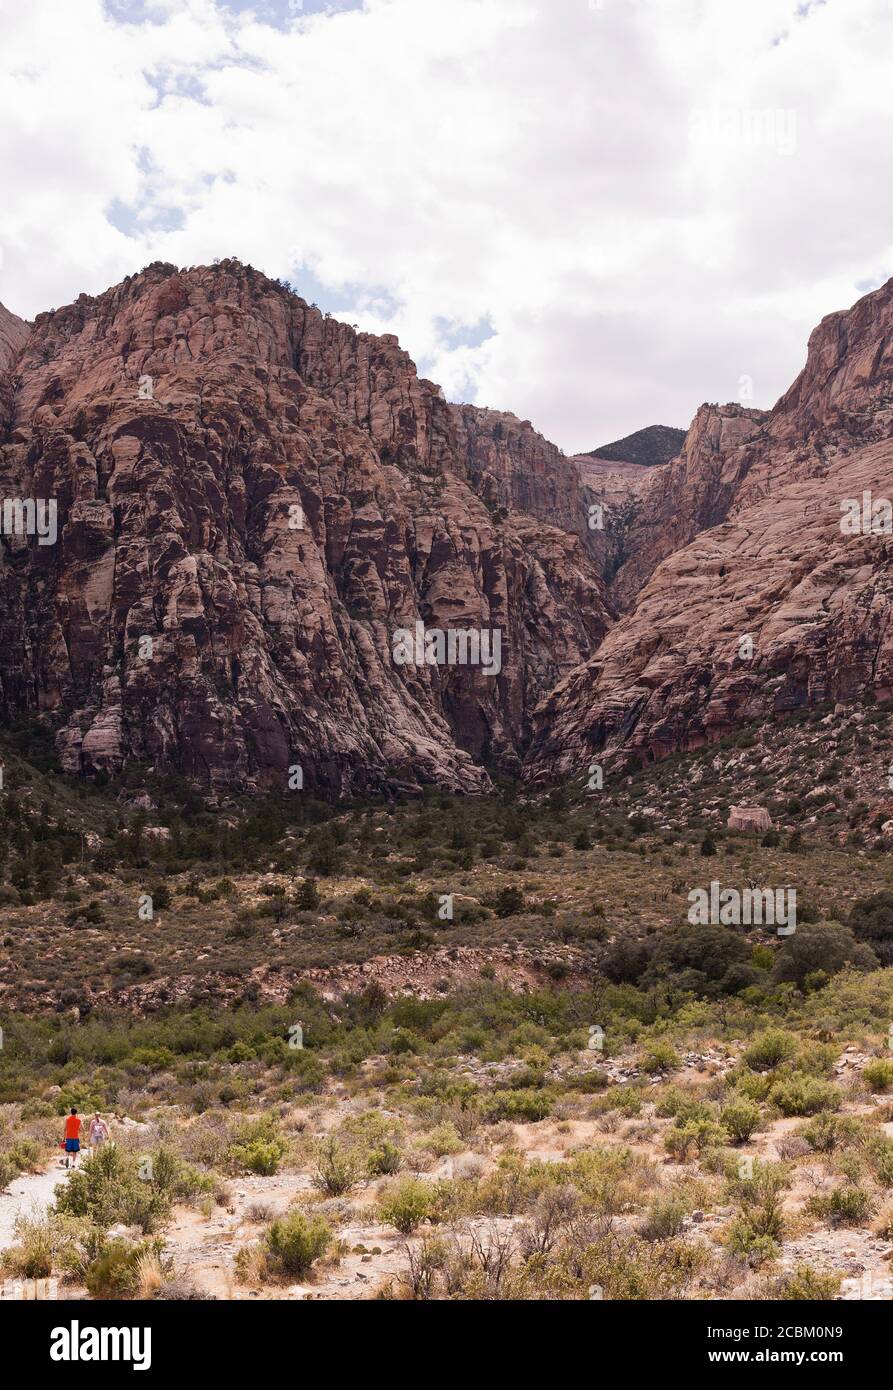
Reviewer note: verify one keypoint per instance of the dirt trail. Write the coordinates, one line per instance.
(26, 1195)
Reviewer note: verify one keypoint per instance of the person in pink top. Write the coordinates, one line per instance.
(98, 1131)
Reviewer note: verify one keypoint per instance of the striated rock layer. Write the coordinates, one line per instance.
(251, 499)
(775, 605)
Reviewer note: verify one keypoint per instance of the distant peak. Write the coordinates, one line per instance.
(652, 445)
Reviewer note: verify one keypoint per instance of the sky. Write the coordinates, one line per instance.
(594, 213)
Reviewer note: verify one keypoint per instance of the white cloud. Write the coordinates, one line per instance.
(530, 164)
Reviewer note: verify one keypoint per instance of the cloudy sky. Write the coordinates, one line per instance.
(595, 213)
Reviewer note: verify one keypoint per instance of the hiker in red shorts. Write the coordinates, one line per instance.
(72, 1141)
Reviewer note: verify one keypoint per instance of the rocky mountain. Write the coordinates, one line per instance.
(275, 547)
(759, 579)
(252, 500)
(653, 445)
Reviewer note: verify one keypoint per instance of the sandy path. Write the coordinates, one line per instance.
(26, 1195)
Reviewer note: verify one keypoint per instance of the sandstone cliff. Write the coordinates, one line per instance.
(774, 566)
(251, 498)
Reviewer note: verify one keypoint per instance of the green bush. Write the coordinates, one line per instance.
(525, 1106)
(708, 960)
(799, 1094)
(741, 1118)
(828, 1132)
(660, 1056)
(295, 1242)
(769, 1049)
(338, 1169)
(664, 1219)
(848, 1205)
(259, 1148)
(9, 1170)
(115, 1272)
(108, 1189)
(878, 1073)
(806, 1285)
(26, 1154)
(817, 951)
(871, 921)
(406, 1204)
(384, 1160)
(261, 1156)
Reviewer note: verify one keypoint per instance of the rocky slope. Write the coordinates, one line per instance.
(251, 499)
(774, 566)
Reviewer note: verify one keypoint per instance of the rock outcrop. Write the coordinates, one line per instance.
(749, 818)
(251, 499)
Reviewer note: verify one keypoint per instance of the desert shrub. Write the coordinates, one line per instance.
(769, 1049)
(804, 1285)
(871, 921)
(262, 1156)
(708, 960)
(745, 1238)
(338, 1168)
(664, 1219)
(258, 1147)
(508, 902)
(878, 1073)
(626, 960)
(741, 1118)
(828, 1132)
(9, 1169)
(817, 951)
(444, 1139)
(694, 1136)
(307, 897)
(295, 1242)
(623, 1268)
(48, 1244)
(26, 1154)
(880, 1156)
(816, 1059)
(109, 1188)
(589, 1081)
(406, 1204)
(660, 1056)
(519, 1105)
(798, 1094)
(384, 1160)
(671, 1101)
(847, 1205)
(758, 1228)
(117, 1270)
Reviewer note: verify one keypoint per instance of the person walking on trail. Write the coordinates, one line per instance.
(98, 1131)
(72, 1141)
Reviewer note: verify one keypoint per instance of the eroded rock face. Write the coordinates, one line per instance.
(251, 499)
(690, 494)
(512, 466)
(775, 606)
(13, 336)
